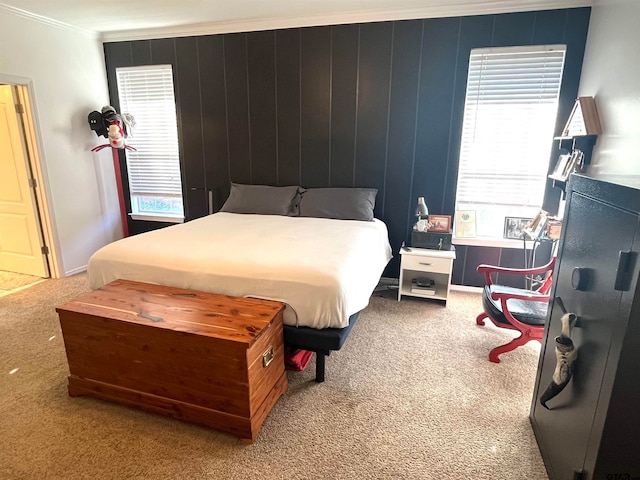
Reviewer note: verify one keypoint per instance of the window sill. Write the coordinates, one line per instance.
(150, 217)
(491, 242)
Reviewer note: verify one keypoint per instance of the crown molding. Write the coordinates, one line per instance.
(464, 8)
(338, 18)
(17, 12)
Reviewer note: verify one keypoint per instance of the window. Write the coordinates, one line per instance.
(509, 116)
(154, 168)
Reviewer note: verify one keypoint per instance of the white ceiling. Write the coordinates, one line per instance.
(136, 19)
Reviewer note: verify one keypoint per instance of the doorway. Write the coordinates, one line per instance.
(23, 246)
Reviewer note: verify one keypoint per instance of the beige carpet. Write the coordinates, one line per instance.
(411, 395)
(10, 281)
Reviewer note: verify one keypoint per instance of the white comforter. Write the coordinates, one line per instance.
(324, 270)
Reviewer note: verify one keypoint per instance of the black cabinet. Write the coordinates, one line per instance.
(592, 429)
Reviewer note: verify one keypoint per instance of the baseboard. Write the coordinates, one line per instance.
(466, 288)
(70, 273)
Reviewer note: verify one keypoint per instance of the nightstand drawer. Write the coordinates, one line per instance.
(426, 264)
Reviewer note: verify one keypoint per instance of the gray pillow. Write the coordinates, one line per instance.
(263, 199)
(339, 203)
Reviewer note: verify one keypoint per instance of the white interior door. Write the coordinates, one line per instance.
(20, 233)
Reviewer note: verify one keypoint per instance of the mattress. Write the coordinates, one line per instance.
(324, 270)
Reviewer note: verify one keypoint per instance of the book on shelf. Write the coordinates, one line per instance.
(423, 291)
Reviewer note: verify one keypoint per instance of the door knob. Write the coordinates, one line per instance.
(580, 278)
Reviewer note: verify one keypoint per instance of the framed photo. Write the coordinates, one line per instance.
(514, 227)
(465, 223)
(439, 223)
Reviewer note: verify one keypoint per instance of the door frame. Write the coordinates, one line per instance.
(33, 142)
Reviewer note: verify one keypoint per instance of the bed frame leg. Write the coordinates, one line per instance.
(320, 362)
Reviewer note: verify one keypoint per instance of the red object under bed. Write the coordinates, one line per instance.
(296, 359)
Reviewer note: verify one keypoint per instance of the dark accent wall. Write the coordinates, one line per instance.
(469, 257)
(365, 105)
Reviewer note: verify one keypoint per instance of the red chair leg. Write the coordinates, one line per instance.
(512, 345)
(480, 318)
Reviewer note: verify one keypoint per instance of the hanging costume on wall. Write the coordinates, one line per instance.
(112, 125)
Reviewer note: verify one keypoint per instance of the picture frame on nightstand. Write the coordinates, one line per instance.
(439, 223)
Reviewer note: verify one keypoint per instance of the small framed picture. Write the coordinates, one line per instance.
(465, 223)
(514, 227)
(439, 223)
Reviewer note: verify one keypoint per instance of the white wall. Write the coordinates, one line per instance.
(611, 73)
(66, 67)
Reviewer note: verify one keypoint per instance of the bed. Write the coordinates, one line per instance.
(323, 269)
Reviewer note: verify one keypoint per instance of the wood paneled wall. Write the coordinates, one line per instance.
(366, 105)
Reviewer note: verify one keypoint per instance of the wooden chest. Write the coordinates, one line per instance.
(210, 359)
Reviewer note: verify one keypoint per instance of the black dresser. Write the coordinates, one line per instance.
(592, 428)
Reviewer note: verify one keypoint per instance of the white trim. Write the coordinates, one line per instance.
(76, 271)
(156, 217)
(466, 288)
(45, 196)
(515, 49)
(339, 18)
(18, 12)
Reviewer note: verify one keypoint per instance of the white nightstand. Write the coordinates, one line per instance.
(421, 262)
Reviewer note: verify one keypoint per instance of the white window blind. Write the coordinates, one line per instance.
(154, 168)
(510, 111)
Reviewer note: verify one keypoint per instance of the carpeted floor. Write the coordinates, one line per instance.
(411, 395)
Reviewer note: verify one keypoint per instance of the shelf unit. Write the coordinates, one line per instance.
(566, 145)
(580, 133)
(423, 262)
